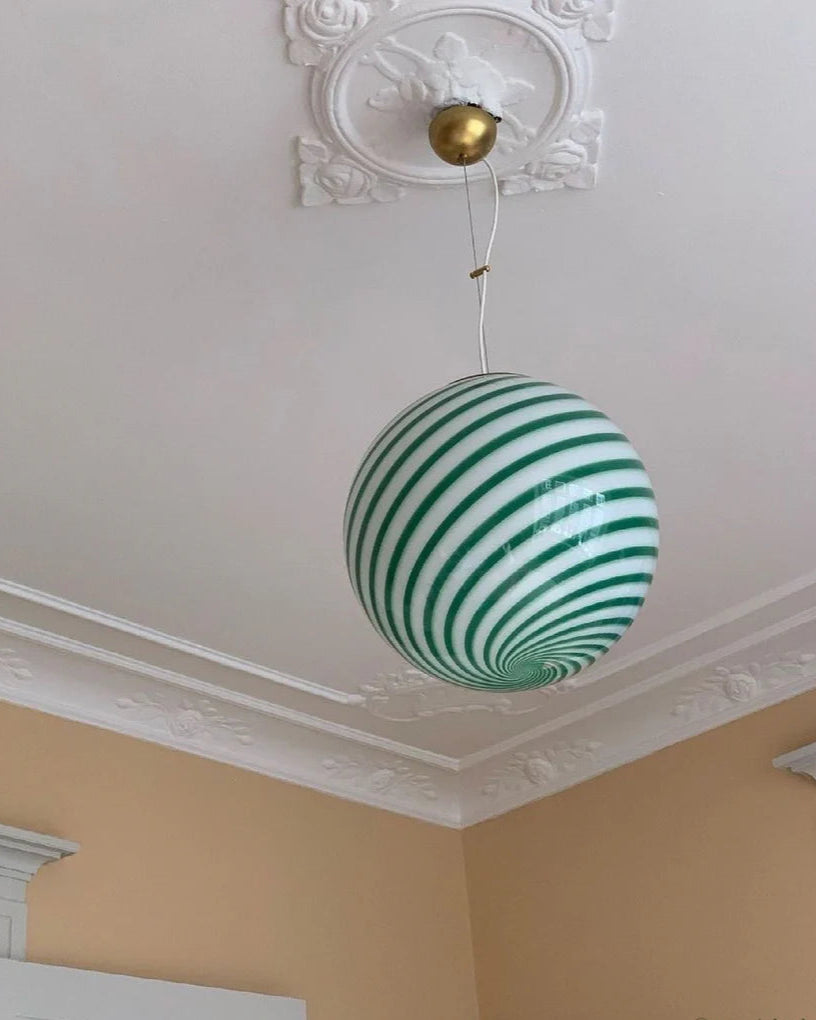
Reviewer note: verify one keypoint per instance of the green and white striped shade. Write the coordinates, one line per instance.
(501, 533)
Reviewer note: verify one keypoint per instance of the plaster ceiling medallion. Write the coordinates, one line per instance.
(380, 69)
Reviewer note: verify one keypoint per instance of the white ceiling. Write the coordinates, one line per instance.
(193, 364)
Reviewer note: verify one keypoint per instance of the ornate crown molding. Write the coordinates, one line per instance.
(410, 695)
(186, 718)
(379, 775)
(14, 671)
(743, 683)
(379, 69)
(540, 768)
(343, 743)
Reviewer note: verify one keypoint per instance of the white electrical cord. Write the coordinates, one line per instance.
(479, 273)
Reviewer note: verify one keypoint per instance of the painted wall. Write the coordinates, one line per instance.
(195, 871)
(678, 887)
(681, 886)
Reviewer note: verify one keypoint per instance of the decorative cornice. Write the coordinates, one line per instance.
(408, 695)
(740, 661)
(107, 622)
(186, 718)
(224, 694)
(382, 776)
(14, 671)
(163, 707)
(540, 768)
(742, 683)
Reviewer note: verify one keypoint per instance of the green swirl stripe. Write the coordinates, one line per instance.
(496, 543)
(433, 454)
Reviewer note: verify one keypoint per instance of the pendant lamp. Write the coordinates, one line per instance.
(501, 533)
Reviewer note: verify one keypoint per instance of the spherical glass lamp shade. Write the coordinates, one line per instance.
(501, 533)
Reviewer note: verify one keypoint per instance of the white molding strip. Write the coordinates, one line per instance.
(210, 723)
(748, 658)
(22, 854)
(158, 637)
(226, 695)
(802, 761)
(693, 665)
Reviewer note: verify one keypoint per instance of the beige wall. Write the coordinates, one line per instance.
(195, 871)
(681, 886)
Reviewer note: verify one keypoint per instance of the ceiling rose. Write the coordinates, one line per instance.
(379, 71)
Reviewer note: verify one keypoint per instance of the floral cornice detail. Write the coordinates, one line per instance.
(381, 776)
(540, 768)
(596, 18)
(14, 671)
(186, 718)
(328, 177)
(728, 686)
(570, 162)
(411, 695)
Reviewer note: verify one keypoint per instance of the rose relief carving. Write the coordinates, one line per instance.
(570, 162)
(14, 671)
(380, 69)
(451, 72)
(734, 685)
(381, 776)
(539, 768)
(411, 695)
(595, 17)
(326, 177)
(316, 28)
(186, 718)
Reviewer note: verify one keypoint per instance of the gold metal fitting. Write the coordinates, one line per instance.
(462, 135)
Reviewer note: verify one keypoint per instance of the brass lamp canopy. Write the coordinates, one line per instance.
(462, 135)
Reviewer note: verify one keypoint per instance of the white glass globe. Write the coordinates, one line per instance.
(501, 533)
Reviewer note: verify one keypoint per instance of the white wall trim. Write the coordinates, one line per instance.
(740, 661)
(157, 637)
(650, 683)
(802, 761)
(253, 704)
(22, 854)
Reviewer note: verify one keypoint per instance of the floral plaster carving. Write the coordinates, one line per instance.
(570, 162)
(14, 671)
(381, 68)
(411, 695)
(595, 17)
(736, 685)
(526, 770)
(186, 718)
(450, 71)
(316, 28)
(383, 776)
(326, 177)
